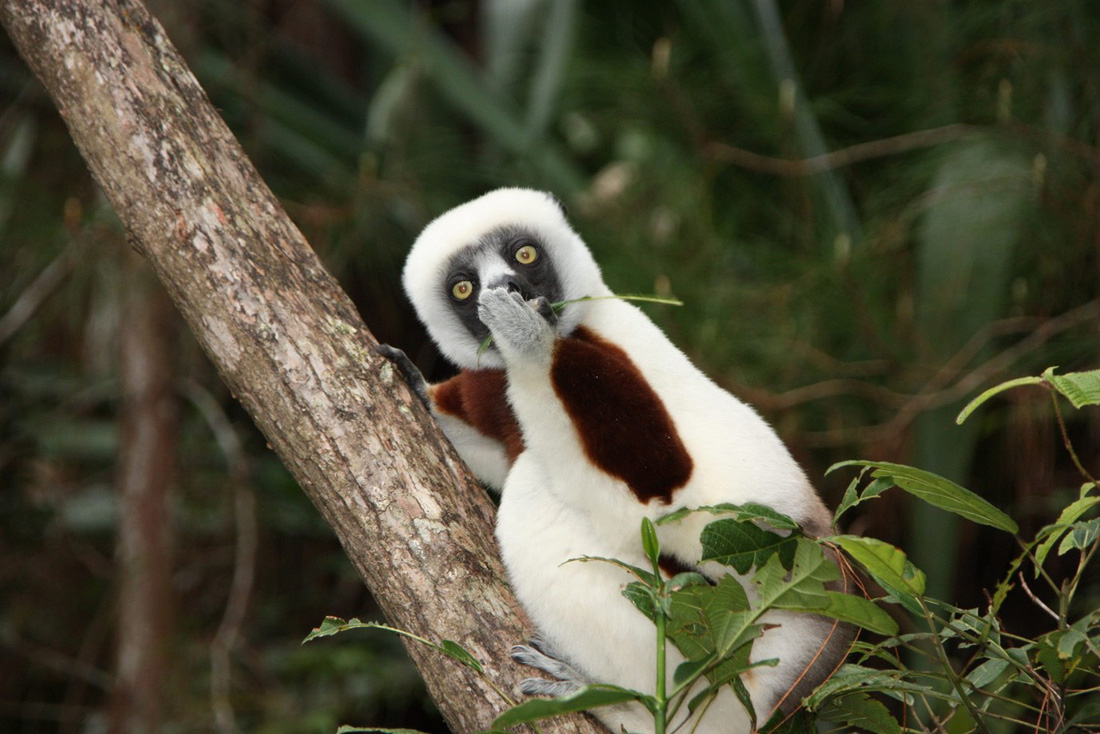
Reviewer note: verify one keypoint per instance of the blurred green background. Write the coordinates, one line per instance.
(870, 210)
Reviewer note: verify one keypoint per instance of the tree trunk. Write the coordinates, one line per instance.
(146, 473)
(285, 338)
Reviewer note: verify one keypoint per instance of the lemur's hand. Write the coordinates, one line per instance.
(413, 376)
(567, 679)
(520, 328)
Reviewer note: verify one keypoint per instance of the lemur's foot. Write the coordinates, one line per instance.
(535, 655)
(412, 374)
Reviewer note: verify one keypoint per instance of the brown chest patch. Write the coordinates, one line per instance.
(624, 427)
(480, 398)
(671, 566)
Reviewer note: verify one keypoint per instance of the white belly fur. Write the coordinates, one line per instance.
(557, 505)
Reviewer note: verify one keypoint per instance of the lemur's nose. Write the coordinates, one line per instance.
(512, 283)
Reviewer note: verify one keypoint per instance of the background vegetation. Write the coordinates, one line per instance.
(870, 210)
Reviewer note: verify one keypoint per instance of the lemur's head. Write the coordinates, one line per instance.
(513, 238)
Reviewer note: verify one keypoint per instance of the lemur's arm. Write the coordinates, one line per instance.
(412, 373)
(473, 411)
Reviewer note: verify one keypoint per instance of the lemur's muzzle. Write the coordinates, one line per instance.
(514, 283)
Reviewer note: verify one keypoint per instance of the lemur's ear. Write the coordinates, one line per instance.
(561, 205)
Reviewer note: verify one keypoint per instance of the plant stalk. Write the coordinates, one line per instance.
(660, 715)
(956, 682)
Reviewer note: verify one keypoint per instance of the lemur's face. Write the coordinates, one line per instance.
(509, 257)
(517, 239)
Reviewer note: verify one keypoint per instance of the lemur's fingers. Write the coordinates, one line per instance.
(542, 305)
(412, 374)
(568, 679)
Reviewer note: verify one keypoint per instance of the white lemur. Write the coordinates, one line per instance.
(588, 420)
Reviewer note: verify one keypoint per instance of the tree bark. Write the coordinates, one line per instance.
(285, 338)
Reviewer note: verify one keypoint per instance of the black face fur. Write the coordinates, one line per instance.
(534, 280)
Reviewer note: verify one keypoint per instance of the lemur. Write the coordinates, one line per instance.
(587, 419)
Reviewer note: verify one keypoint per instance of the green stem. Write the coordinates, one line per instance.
(659, 716)
(956, 682)
(1065, 439)
(1071, 587)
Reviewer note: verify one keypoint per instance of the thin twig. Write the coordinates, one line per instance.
(931, 390)
(929, 397)
(1065, 440)
(39, 290)
(839, 158)
(1037, 600)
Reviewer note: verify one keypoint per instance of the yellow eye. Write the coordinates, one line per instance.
(462, 290)
(527, 255)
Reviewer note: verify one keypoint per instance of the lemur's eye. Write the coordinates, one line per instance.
(527, 255)
(462, 290)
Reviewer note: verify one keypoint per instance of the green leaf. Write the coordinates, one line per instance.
(461, 654)
(989, 671)
(687, 671)
(1081, 535)
(642, 575)
(860, 611)
(860, 711)
(484, 347)
(589, 697)
(968, 624)
(1055, 530)
(799, 721)
(1068, 641)
(995, 390)
(1080, 388)
(858, 678)
(687, 578)
(644, 597)
(852, 498)
(650, 544)
(942, 493)
(800, 589)
(742, 693)
(334, 625)
(1088, 714)
(331, 626)
(712, 622)
(750, 511)
(885, 563)
(743, 544)
(1047, 656)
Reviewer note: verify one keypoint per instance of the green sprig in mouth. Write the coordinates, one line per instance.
(488, 341)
